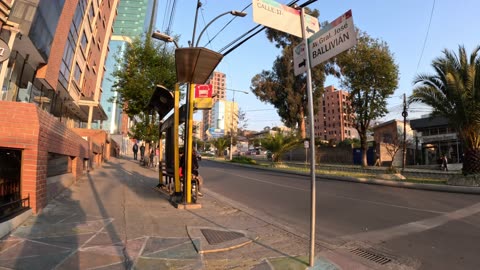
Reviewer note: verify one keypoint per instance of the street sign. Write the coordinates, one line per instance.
(283, 18)
(203, 91)
(336, 37)
(299, 59)
(215, 132)
(4, 51)
(306, 144)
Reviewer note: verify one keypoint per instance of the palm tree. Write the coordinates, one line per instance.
(220, 144)
(454, 93)
(279, 144)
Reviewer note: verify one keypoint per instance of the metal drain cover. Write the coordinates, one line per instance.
(216, 237)
(371, 255)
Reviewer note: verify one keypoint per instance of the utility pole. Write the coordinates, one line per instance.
(404, 114)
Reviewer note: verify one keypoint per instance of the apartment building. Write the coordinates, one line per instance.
(50, 95)
(332, 121)
(219, 86)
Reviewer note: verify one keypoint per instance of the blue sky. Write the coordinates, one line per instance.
(402, 24)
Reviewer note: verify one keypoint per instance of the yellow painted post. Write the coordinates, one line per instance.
(189, 143)
(176, 120)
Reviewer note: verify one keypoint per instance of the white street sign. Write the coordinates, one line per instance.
(299, 59)
(283, 18)
(306, 144)
(336, 37)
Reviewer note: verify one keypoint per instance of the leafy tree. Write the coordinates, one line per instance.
(242, 122)
(454, 93)
(279, 144)
(370, 74)
(220, 144)
(285, 91)
(143, 65)
(349, 142)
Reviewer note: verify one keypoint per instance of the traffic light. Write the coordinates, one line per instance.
(161, 101)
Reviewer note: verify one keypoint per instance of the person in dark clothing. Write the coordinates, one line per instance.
(195, 167)
(142, 152)
(135, 151)
(445, 163)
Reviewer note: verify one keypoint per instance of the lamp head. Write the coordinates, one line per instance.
(162, 36)
(238, 13)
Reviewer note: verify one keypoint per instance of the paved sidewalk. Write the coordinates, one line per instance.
(114, 219)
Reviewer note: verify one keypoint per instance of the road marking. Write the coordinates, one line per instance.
(333, 195)
(414, 227)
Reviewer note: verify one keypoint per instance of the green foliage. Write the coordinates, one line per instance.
(350, 142)
(220, 144)
(370, 74)
(244, 160)
(279, 144)
(453, 92)
(281, 88)
(143, 65)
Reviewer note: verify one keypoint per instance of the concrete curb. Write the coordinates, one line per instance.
(11, 224)
(372, 181)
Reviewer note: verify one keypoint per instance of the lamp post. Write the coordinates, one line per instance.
(164, 37)
(231, 125)
(233, 12)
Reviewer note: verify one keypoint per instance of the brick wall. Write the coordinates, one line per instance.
(25, 127)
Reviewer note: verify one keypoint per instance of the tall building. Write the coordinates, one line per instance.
(332, 121)
(50, 88)
(134, 19)
(58, 57)
(219, 87)
(225, 115)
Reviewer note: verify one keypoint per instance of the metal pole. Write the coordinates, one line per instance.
(187, 175)
(312, 141)
(176, 120)
(231, 127)
(199, 4)
(404, 131)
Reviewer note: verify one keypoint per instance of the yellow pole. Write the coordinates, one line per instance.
(160, 157)
(176, 118)
(189, 142)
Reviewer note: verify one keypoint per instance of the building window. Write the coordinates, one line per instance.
(77, 73)
(84, 41)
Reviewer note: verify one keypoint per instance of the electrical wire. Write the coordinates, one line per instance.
(172, 17)
(167, 7)
(426, 36)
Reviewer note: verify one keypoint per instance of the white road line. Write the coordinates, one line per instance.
(333, 195)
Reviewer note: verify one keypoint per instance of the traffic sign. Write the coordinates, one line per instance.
(336, 37)
(306, 144)
(299, 59)
(283, 18)
(203, 91)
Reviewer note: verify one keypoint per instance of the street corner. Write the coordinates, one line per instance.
(216, 239)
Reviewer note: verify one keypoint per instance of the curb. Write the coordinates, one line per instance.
(371, 181)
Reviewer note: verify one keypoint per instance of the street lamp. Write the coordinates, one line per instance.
(231, 125)
(233, 12)
(164, 37)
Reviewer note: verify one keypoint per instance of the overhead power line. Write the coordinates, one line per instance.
(426, 36)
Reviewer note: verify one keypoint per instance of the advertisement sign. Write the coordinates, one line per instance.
(336, 37)
(283, 18)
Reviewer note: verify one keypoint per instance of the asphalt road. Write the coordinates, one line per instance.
(423, 229)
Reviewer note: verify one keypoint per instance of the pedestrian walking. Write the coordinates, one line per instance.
(445, 163)
(378, 162)
(142, 151)
(135, 151)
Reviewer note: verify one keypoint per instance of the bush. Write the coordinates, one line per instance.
(244, 160)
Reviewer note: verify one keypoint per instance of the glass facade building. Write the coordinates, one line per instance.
(133, 20)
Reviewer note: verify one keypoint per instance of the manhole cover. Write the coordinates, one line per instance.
(216, 237)
(371, 255)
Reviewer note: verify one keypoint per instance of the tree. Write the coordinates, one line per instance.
(285, 91)
(220, 144)
(242, 122)
(454, 93)
(370, 74)
(279, 144)
(393, 143)
(142, 66)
